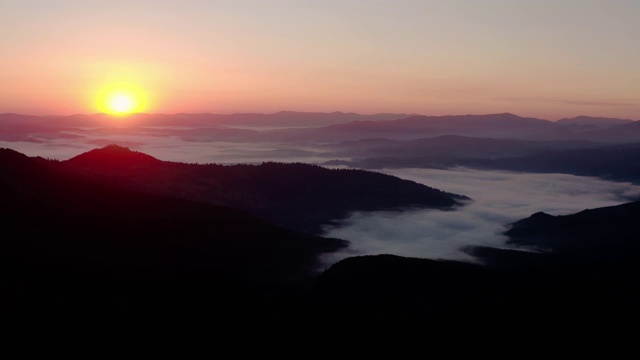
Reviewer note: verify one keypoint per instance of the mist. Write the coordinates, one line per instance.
(168, 144)
(499, 198)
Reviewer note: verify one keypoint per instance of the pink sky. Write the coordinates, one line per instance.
(540, 58)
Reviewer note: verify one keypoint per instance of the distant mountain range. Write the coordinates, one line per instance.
(327, 127)
(589, 146)
(497, 126)
(277, 119)
(443, 151)
(577, 157)
(619, 162)
(598, 122)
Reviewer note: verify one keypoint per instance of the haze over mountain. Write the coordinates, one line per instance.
(407, 142)
(577, 157)
(580, 146)
(442, 151)
(498, 126)
(620, 162)
(329, 127)
(277, 119)
(599, 122)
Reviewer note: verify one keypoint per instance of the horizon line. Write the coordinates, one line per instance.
(299, 112)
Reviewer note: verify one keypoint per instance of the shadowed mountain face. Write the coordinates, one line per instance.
(576, 157)
(69, 215)
(76, 246)
(621, 162)
(589, 230)
(80, 242)
(297, 195)
(452, 147)
(444, 151)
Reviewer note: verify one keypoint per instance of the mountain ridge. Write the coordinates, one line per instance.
(601, 122)
(280, 192)
(80, 248)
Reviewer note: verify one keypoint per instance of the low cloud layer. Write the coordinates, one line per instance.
(499, 198)
(163, 144)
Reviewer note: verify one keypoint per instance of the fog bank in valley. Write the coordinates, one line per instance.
(499, 198)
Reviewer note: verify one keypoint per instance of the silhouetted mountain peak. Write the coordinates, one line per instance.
(276, 192)
(113, 156)
(505, 116)
(541, 215)
(10, 160)
(594, 231)
(538, 219)
(6, 153)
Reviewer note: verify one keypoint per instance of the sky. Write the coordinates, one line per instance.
(542, 58)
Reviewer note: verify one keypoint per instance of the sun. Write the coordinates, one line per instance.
(121, 100)
(121, 104)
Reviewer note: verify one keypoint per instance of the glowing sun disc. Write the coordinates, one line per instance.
(121, 100)
(121, 104)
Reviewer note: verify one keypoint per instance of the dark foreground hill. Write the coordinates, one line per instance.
(592, 230)
(299, 196)
(74, 248)
(83, 246)
(77, 249)
(585, 278)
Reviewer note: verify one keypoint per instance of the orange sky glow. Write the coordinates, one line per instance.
(540, 58)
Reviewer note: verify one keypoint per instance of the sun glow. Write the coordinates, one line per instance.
(121, 100)
(121, 104)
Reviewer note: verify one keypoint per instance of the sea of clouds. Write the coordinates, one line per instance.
(499, 198)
